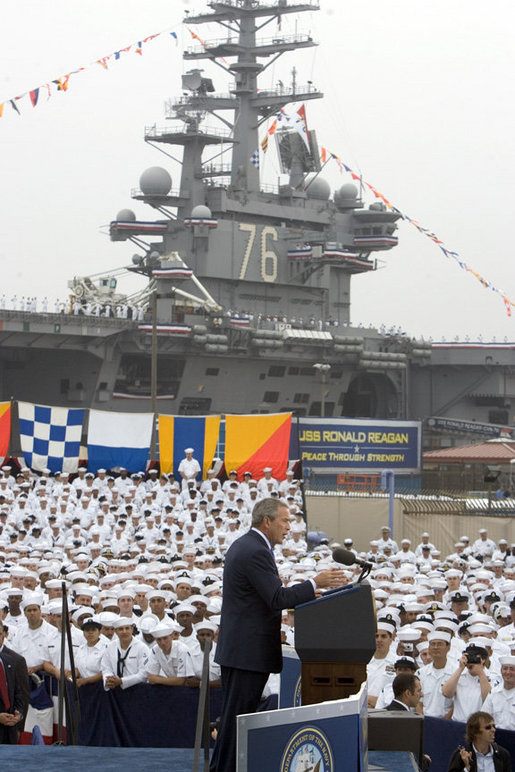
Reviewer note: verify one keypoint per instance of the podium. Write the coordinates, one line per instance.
(335, 639)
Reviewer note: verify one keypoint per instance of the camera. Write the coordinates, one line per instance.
(473, 657)
(408, 648)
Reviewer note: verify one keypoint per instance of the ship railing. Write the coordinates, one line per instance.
(154, 131)
(414, 501)
(216, 169)
(185, 100)
(262, 42)
(173, 193)
(308, 88)
(314, 4)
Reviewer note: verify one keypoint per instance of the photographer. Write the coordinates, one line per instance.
(469, 684)
(480, 751)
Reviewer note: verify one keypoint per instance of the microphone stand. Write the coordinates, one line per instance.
(365, 570)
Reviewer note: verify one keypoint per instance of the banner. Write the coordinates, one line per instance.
(253, 442)
(119, 439)
(329, 737)
(330, 445)
(176, 433)
(50, 436)
(5, 428)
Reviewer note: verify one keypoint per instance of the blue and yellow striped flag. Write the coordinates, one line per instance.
(179, 432)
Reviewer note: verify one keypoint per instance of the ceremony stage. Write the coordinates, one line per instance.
(53, 758)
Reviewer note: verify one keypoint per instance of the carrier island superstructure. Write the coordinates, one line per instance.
(247, 291)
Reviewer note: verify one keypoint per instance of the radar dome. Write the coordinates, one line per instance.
(347, 191)
(155, 182)
(201, 212)
(125, 215)
(346, 196)
(318, 188)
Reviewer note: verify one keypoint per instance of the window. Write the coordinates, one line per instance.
(271, 396)
(212, 370)
(316, 409)
(195, 406)
(276, 371)
(302, 398)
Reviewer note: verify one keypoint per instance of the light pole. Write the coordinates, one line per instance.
(323, 368)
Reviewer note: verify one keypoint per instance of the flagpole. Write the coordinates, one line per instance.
(153, 375)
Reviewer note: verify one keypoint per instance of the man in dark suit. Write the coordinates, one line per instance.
(22, 676)
(249, 643)
(407, 692)
(11, 696)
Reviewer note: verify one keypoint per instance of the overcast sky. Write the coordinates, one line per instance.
(418, 99)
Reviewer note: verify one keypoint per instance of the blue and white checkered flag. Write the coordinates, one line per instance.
(50, 436)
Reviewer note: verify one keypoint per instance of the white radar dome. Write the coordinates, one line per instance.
(318, 188)
(125, 215)
(155, 181)
(346, 195)
(201, 212)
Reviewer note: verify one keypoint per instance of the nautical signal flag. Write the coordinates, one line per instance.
(119, 439)
(5, 428)
(50, 436)
(176, 433)
(253, 442)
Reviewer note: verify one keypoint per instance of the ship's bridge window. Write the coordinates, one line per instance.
(271, 396)
(212, 370)
(302, 398)
(276, 371)
(377, 231)
(316, 409)
(112, 283)
(195, 406)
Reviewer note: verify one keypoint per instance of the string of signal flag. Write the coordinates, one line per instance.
(61, 84)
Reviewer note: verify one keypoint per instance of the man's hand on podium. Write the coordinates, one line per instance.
(330, 579)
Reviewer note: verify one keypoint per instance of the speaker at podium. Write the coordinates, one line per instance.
(335, 640)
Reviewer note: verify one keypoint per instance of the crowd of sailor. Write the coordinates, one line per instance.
(76, 307)
(140, 558)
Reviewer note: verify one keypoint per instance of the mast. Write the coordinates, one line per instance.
(244, 19)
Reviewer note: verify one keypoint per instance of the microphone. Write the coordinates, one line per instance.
(348, 558)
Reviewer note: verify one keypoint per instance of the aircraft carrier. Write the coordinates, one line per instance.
(246, 300)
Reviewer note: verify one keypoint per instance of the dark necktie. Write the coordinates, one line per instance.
(120, 667)
(4, 694)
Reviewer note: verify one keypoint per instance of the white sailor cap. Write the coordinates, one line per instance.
(508, 659)
(148, 623)
(121, 622)
(184, 607)
(189, 450)
(165, 628)
(206, 624)
(439, 635)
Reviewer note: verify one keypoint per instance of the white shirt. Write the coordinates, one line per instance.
(88, 659)
(431, 679)
(197, 657)
(379, 672)
(467, 699)
(33, 644)
(485, 763)
(177, 664)
(134, 665)
(500, 703)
